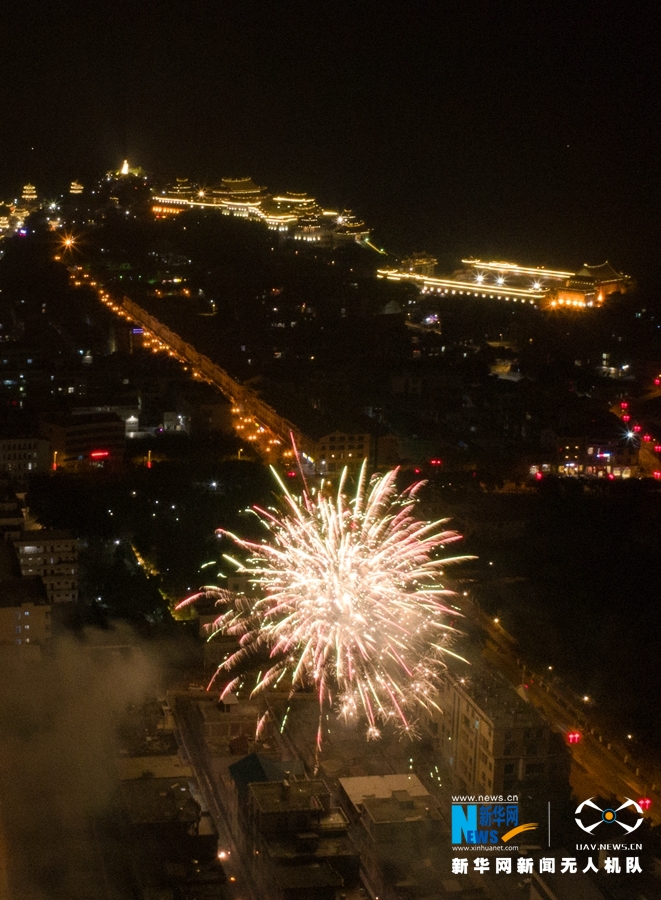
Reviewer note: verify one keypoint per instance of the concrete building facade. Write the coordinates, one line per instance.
(19, 457)
(494, 742)
(53, 556)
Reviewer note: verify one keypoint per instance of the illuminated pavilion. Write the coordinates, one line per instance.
(297, 214)
(239, 196)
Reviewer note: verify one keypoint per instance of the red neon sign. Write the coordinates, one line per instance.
(99, 454)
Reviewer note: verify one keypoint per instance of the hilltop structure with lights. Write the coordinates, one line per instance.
(537, 286)
(296, 215)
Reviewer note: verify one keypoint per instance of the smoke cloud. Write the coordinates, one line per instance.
(58, 724)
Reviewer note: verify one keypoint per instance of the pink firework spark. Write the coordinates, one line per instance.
(349, 601)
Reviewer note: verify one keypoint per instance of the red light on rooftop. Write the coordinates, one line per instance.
(637, 428)
(656, 474)
(99, 454)
(574, 737)
(624, 405)
(626, 418)
(645, 803)
(539, 476)
(436, 462)
(647, 437)
(291, 474)
(657, 381)
(657, 448)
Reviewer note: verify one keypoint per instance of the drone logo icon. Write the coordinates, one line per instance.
(609, 816)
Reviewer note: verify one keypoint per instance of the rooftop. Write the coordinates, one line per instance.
(130, 768)
(146, 737)
(287, 848)
(382, 787)
(211, 713)
(258, 767)
(495, 696)
(159, 801)
(239, 186)
(281, 796)
(602, 272)
(400, 807)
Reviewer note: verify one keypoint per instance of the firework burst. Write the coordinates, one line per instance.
(349, 602)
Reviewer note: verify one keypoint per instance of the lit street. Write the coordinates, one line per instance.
(596, 769)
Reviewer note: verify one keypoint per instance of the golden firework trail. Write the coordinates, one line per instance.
(348, 600)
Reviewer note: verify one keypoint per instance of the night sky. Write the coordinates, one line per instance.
(527, 131)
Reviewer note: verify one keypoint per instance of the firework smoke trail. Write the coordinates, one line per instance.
(349, 602)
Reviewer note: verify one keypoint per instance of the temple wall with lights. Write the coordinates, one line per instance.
(538, 286)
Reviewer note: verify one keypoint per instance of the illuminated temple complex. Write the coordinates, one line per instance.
(296, 215)
(538, 286)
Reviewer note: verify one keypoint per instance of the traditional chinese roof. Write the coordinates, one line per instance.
(240, 186)
(182, 187)
(603, 272)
